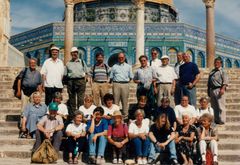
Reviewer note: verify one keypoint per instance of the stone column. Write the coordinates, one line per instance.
(68, 40)
(140, 29)
(4, 31)
(210, 32)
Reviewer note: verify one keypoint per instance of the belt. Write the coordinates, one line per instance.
(100, 82)
(164, 83)
(121, 82)
(215, 87)
(77, 78)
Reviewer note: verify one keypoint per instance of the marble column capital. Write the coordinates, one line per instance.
(69, 2)
(139, 3)
(209, 3)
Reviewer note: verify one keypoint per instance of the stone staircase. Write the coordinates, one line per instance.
(13, 148)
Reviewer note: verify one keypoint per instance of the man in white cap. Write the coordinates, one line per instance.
(52, 72)
(166, 77)
(76, 71)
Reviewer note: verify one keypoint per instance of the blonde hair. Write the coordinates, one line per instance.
(158, 121)
(207, 116)
(34, 94)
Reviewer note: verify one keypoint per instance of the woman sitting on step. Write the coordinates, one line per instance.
(138, 133)
(118, 137)
(208, 138)
(76, 141)
(184, 140)
(33, 112)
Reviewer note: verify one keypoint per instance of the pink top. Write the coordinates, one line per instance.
(119, 131)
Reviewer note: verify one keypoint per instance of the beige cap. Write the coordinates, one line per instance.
(54, 48)
(74, 49)
(164, 57)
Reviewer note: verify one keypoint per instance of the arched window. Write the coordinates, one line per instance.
(190, 52)
(83, 53)
(172, 53)
(228, 63)
(236, 64)
(200, 60)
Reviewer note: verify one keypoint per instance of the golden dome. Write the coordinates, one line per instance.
(167, 2)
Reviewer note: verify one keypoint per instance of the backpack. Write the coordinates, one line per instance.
(94, 67)
(15, 83)
(45, 153)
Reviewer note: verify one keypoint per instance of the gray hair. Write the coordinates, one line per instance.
(139, 111)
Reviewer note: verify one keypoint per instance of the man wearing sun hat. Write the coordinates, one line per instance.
(166, 77)
(52, 72)
(76, 72)
(50, 127)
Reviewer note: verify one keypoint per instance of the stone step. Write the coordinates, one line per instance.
(4, 124)
(16, 151)
(228, 163)
(233, 106)
(27, 161)
(14, 140)
(229, 135)
(230, 126)
(233, 112)
(225, 144)
(9, 131)
(233, 119)
(229, 155)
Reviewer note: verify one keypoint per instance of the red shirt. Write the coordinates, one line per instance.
(118, 131)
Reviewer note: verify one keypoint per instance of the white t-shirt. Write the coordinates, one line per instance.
(109, 111)
(87, 112)
(180, 110)
(54, 71)
(155, 63)
(165, 74)
(134, 129)
(62, 109)
(203, 111)
(76, 129)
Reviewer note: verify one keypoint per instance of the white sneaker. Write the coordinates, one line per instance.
(120, 161)
(115, 161)
(139, 161)
(144, 161)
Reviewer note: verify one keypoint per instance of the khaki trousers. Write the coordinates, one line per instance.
(25, 100)
(121, 93)
(99, 90)
(218, 105)
(164, 90)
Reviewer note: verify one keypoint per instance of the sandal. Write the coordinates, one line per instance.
(70, 161)
(75, 161)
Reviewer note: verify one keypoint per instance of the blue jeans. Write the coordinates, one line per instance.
(141, 147)
(171, 147)
(191, 93)
(100, 144)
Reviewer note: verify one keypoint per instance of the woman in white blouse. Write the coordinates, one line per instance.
(88, 107)
(138, 133)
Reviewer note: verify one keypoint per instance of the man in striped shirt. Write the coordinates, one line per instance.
(99, 78)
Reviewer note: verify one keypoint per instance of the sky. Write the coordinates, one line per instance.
(29, 14)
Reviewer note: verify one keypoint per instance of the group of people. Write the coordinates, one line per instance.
(164, 120)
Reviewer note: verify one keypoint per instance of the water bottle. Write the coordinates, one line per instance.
(76, 149)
